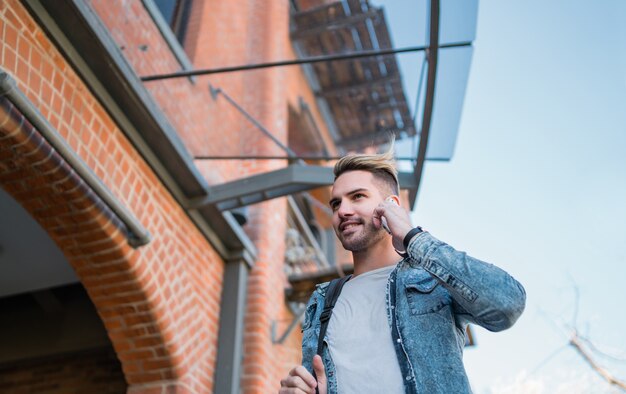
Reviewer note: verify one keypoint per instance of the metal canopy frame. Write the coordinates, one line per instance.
(257, 188)
(296, 62)
(254, 189)
(210, 200)
(292, 179)
(227, 197)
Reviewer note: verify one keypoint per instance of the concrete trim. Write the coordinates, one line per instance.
(231, 327)
(137, 234)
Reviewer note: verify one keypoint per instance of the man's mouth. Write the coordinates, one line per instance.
(348, 225)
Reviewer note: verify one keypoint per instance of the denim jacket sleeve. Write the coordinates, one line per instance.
(311, 325)
(309, 339)
(482, 293)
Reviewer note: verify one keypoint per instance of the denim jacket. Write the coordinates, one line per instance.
(432, 295)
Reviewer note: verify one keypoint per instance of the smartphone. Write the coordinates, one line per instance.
(383, 219)
(385, 225)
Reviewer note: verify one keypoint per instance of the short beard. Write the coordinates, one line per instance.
(363, 241)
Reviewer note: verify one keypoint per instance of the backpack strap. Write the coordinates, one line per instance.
(332, 294)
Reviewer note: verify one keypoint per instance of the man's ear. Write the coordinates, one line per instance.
(393, 198)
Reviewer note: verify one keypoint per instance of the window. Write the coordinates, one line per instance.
(176, 14)
(172, 18)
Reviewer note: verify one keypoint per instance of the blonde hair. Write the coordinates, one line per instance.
(381, 165)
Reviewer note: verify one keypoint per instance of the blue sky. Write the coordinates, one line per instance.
(537, 183)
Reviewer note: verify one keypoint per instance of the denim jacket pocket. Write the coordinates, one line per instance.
(426, 296)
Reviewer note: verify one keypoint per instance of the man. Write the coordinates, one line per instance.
(399, 323)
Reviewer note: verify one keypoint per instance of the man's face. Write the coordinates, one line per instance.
(355, 194)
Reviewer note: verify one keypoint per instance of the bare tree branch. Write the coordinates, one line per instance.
(576, 343)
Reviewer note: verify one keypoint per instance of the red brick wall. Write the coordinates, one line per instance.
(160, 303)
(95, 371)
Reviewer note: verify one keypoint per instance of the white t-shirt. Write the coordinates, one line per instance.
(359, 337)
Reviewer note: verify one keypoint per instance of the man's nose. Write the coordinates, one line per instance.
(345, 209)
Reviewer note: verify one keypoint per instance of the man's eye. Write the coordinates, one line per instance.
(334, 206)
(358, 195)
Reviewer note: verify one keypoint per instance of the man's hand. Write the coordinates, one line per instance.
(301, 381)
(398, 219)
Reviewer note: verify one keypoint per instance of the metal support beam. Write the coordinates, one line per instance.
(279, 183)
(215, 92)
(312, 158)
(313, 59)
(430, 97)
(254, 189)
(231, 326)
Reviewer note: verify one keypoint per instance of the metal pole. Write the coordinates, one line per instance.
(309, 60)
(430, 97)
(216, 91)
(231, 327)
(326, 158)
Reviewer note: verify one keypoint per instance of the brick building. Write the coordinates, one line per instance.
(129, 263)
